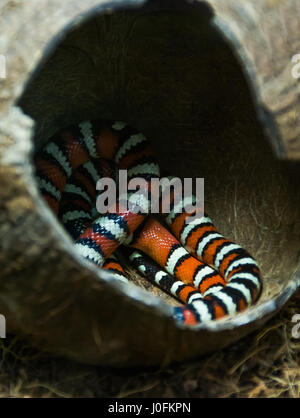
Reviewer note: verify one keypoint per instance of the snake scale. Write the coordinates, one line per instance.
(192, 261)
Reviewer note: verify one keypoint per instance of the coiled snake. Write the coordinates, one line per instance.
(212, 276)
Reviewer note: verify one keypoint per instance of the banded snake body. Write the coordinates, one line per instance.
(212, 276)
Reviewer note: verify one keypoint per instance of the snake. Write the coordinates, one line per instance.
(212, 276)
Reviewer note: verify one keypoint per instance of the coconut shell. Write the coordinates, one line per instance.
(210, 83)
